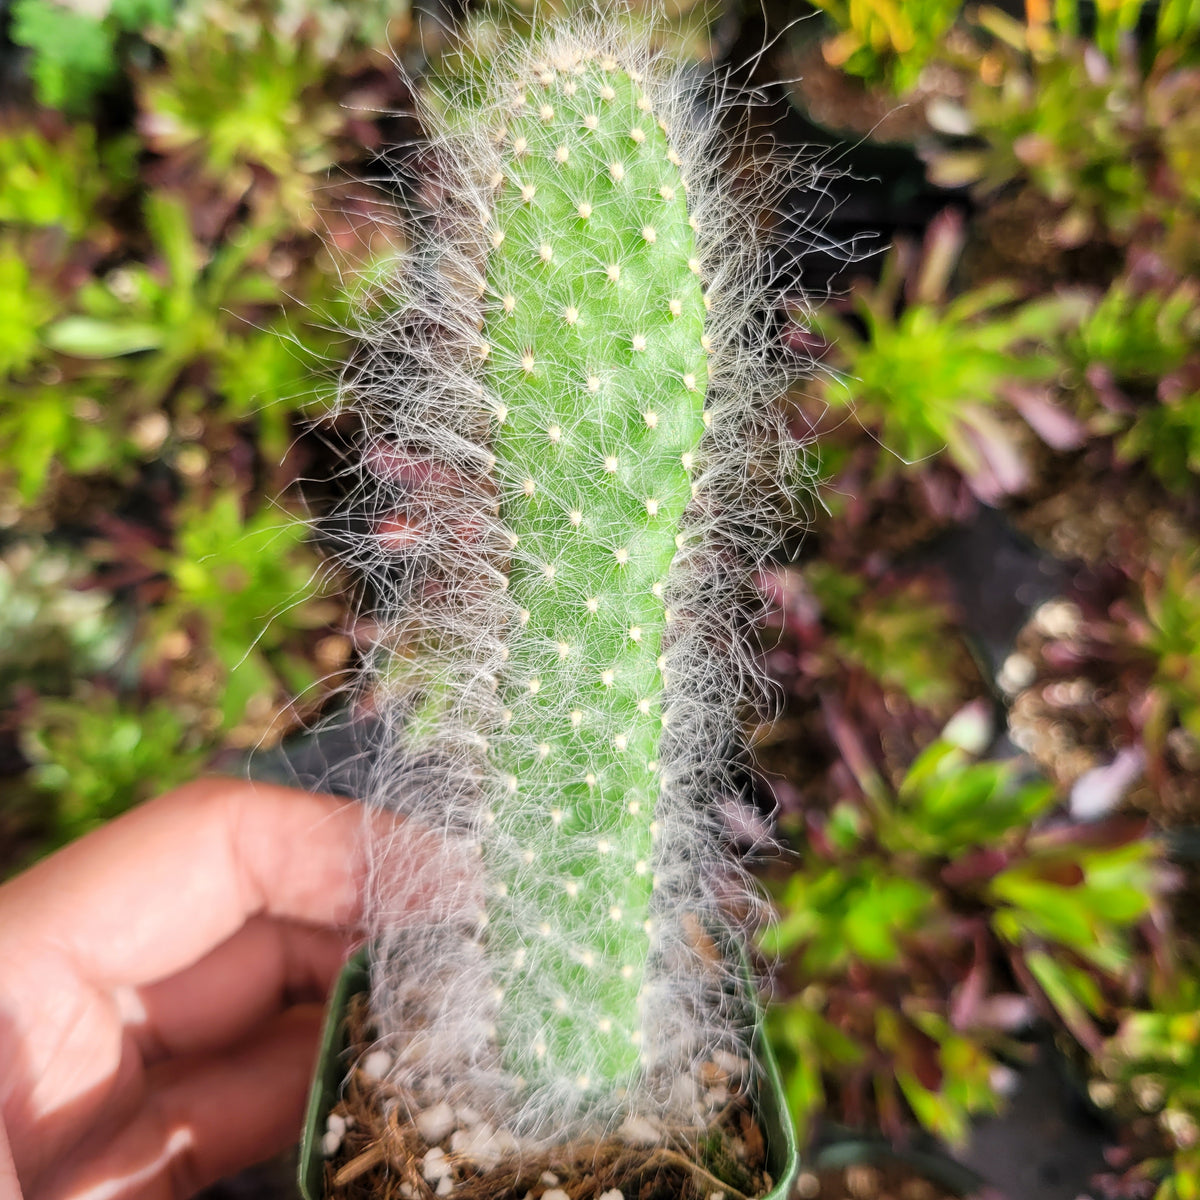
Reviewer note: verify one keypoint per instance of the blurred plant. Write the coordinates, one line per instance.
(371, 24)
(75, 50)
(1137, 335)
(1062, 116)
(1173, 108)
(150, 285)
(56, 176)
(98, 755)
(26, 308)
(1094, 687)
(133, 338)
(908, 907)
(67, 424)
(1110, 144)
(1177, 24)
(245, 586)
(221, 651)
(1107, 23)
(244, 100)
(1136, 351)
(885, 41)
(52, 630)
(269, 375)
(1149, 1075)
(879, 647)
(1172, 637)
(1167, 436)
(337, 30)
(1112, 24)
(900, 635)
(926, 374)
(178, 306)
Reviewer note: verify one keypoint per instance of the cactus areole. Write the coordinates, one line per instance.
(557, 454)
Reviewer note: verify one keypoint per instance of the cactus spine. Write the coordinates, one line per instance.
(562, 650)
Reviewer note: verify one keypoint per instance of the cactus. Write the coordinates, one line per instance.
(559, 407)
(600, 374)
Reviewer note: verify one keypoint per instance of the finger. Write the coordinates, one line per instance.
(10, 1187)
(267, 966)
(201, 1120)
(157, 889)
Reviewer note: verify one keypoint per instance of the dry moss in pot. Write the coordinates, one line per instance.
(572, 459)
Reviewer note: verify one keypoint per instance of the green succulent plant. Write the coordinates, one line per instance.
(1074, 133)
(59, 179)
(885, 42)
(1173, 610)
(242, 96)
(98, 755)
(126, 341)
(1112, 24)
(250, 583)
(52, 632)
(1143, 346)
(76, 53)
(899, 635)
(919, 884)
(1138, 336)
(1102, 136)
(1151, 1065)
(928, 375)
(175, 310)
(1166, 436)
(27, 307)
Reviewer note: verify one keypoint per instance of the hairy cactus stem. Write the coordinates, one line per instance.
(559, 664)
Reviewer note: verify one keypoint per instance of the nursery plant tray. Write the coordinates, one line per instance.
(770, 1105)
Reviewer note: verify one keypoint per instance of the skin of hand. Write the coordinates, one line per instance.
(161, 984)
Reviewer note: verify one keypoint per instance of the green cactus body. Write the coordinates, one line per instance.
(595, 358)
(560, 552)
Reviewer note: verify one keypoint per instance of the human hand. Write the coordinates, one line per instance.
(160, 989)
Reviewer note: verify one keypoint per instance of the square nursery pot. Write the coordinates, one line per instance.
(770, 1106)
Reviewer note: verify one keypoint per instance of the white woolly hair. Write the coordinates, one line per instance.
(429, 491)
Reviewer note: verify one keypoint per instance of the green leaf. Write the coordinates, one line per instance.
(949, 804)
(170, 226)
(25, 307)
(249, 676)
(1054, 911)
(889, 907)
(99, 755)
(845, 826)
(137, 16)
(247, 582)
(936, 1111)
(1072, 992)
(37, 437)
(72, 54)
(59, 179)
(90, 337)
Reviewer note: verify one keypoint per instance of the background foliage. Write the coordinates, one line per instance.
(987, 754)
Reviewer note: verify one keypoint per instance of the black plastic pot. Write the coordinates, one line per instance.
(949, 1174)
(783, 1161)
